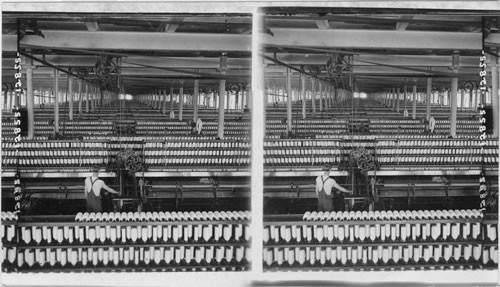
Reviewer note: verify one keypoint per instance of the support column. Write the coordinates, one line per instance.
(87, 98)
(394, 94)
(164, 101)
(398, 95)
(80, 98)
(237, 100)
(171, 98)
(92, 99)
(181, 100)
(462, 99)
(327, 104)
(405, 94)
(414, 103)
(158, 100)
(472, 92)
(303, 94)
(494, 95)
(248, 98)
(56, 99)
(330, 97)
(70, 97)
(428, 95)
(222, 96)
(453, 95)
(320, 96)
(196, 94)
(391, 98)
(30, 101)
(289, 100)
(10, 99)
(313, 96)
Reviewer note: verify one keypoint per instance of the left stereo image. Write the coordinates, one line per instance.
(126, 142)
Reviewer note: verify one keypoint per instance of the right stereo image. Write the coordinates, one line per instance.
(381, 140)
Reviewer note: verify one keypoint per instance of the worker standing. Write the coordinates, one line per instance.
(93, 186)
(326, 194)
(432, 124)
(199, 126)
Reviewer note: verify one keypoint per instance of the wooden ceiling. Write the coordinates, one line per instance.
(156, 50)
(388, 50)
(160, 50)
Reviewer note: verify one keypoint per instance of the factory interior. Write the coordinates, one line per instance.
(137, 99)
(400, 108)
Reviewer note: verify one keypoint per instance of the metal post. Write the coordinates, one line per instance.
(414, 103)
(405, 93)
(56, 100)
(398, 95)
(303, 94)
(320, 96)
(164, 101)
(494, 95)
(181, 100)
(171, 98)
(87, 98)
(70, 97)
(30, 101)
(453, 96)
(196, 94)
(222, 95)
(289, 99)
(313, 96)
(428, 95)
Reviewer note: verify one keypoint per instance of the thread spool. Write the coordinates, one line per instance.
(84, 257)
(319, 233)
(341, 235)
(476, 252)
(485, 256)
(144, 233)
(11, 232)
(406, 254)
(26, 234)
(447, 252)
(91, 232)
(343, 256)
(330, 233)
(476, 230)
(41, 257)
(238, 232)
(457, 252)
(375, 256)
(302, 256)
(246, 232)
(29, 257)
(312, 257)
(491, 231)
(227, 232)
(494, 254)
(437, 252)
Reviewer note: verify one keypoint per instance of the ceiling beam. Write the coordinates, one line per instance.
(403, 25)
(378, 70)
(92, 26)
(322, 24)
(146, 41)
(493, 40)
(171, 28)
(9, 43)
(373, 39)
(160, 62)
(396, 60)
